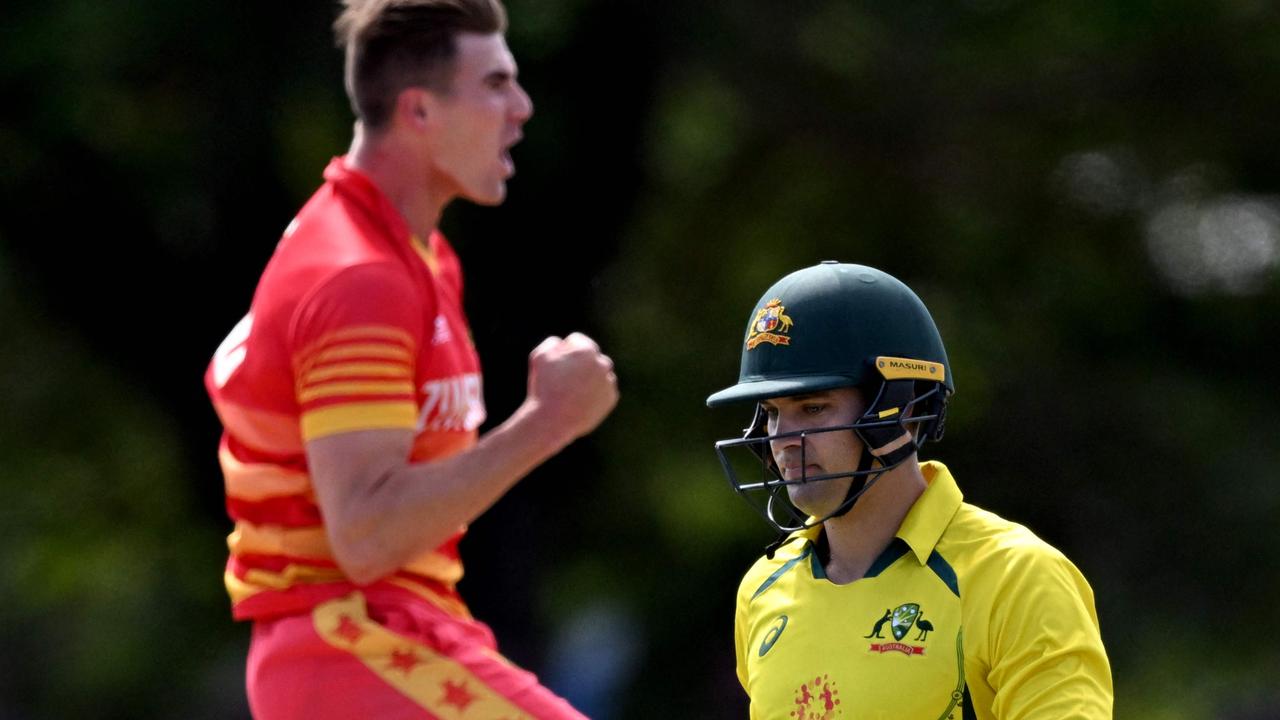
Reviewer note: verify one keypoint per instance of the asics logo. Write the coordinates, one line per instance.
(775, 632)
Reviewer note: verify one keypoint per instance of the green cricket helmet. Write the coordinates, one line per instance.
(829, 326)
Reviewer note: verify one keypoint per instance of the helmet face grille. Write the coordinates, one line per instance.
(749, 465)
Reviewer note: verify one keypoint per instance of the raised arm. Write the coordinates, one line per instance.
(381, 511)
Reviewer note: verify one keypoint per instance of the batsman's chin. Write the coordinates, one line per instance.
(820, 498)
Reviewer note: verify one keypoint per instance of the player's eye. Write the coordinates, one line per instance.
(814, 408)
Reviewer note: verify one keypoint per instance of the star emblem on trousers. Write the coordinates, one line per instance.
(457, 695)
(348, 629)
(404, 660)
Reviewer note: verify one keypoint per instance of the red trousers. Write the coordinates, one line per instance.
(388, 654)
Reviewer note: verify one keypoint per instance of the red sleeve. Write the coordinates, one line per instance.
(353, 343)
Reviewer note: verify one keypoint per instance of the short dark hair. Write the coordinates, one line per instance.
(395, 44)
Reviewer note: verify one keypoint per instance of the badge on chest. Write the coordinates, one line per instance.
(887, 646)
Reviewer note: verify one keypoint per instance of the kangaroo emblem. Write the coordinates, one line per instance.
(875, 631)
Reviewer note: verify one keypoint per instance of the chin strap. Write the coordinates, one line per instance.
(856, 488)
(884, 437)
(881, 428)
(772, 547)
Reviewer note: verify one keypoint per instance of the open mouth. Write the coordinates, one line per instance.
(504, 156)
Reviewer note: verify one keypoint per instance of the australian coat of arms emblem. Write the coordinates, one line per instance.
(771, 324)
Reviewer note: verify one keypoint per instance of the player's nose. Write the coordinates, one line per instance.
(783, 444)
(522, 109)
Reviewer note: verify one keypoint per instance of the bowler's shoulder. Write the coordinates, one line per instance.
(326, 231)
(326, 246)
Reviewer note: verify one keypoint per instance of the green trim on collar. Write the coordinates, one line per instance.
(819, 572)
(808, 550)
(945, 572)
(897, 548)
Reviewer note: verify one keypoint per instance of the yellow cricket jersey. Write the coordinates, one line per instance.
(965, 615)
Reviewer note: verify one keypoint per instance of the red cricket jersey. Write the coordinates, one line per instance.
(356, 324)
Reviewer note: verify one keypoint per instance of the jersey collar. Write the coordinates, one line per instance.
(361, 188)
(932, 511)
(925, 521)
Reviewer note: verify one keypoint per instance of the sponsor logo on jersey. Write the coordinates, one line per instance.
(452, 403)
(817, 700)
(441, 333)
(231, 352)
(770, 325)
(901, 620)
(775, 632)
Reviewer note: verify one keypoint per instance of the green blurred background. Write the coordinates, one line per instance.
(1084, 193)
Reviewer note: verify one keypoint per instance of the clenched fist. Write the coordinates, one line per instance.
(572, 384)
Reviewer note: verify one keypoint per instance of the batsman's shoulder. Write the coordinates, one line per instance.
(766, 571)
(990, 552)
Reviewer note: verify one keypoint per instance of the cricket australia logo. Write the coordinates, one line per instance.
(769, 326)
(901, 620)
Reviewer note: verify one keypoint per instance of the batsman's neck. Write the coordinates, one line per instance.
(859, 536)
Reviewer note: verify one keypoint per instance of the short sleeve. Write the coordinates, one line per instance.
(740, 631)
(1047, 657)
(353, 343)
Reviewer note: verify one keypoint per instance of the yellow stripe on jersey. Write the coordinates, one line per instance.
(257, 580)
(311, 543)
(304, 543)
(331, 420)
(364, 350)
(259, 481)
(453, 606)
(437, 683)
(238, 589)
(359, 369)
(293, 575)
(437, 567)
(359, 332)
(315, 392)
